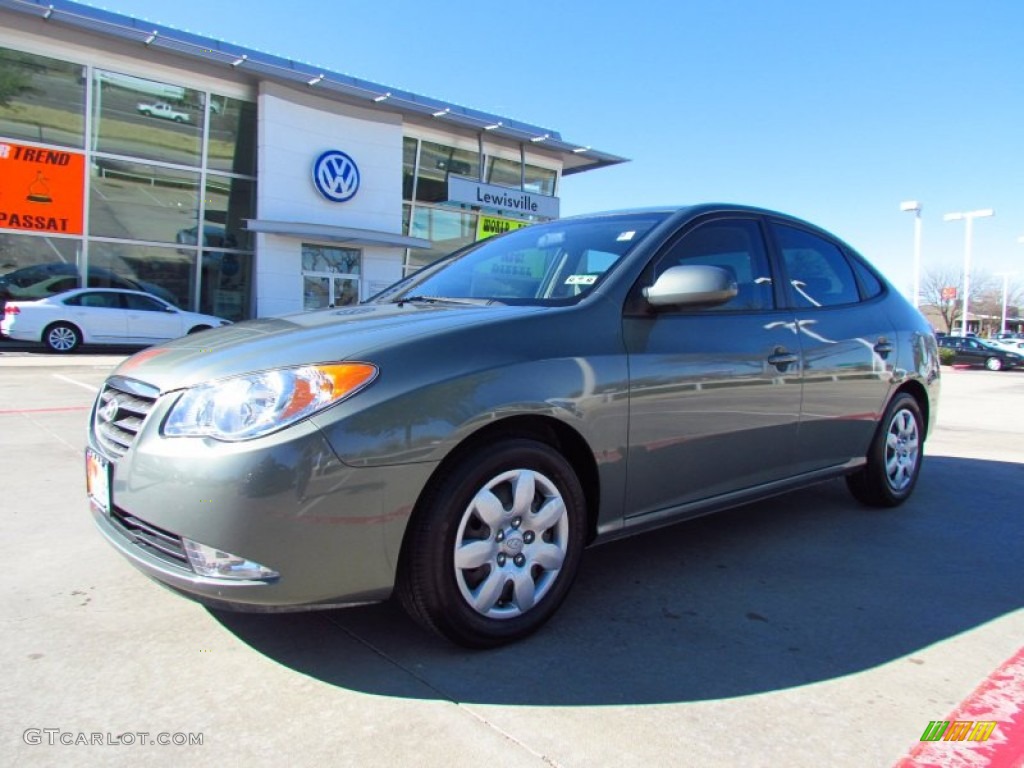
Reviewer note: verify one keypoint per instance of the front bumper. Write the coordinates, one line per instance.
(332, 532)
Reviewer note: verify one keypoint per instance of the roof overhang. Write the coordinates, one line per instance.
(349, 235)
(575, 158)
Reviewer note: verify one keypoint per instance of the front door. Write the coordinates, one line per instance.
(714, 401)
(330, 276)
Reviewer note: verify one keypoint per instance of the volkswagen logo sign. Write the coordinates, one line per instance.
(336, 176)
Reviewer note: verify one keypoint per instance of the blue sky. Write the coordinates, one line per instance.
(832, 111)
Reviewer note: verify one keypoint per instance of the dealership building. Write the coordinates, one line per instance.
(235, 182)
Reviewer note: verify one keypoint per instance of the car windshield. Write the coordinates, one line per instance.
(545, 263)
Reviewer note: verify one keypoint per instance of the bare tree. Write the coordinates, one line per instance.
(942, 288)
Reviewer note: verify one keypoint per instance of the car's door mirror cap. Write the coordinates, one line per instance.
(690, 286)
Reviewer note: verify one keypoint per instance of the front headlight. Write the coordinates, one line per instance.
(253, 405)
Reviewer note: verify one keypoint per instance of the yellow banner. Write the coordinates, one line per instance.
(489, 226)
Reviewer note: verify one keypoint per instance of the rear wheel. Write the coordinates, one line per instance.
(62, 338)
(894, 459)
(494, 545)
(994, 364)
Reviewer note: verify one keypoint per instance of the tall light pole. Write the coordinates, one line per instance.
(913, 205)
(1006, 289)
(968, 218)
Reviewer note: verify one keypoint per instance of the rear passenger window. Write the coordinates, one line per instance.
(734, 245)
(819, 274)
(870, 285)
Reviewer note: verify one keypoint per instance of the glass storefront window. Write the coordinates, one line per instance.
(41, 99)
(226, 285)
(33, 267)
(229, 201)
(436, 162)
(232, 143)
(163, 272)
(408, 167)
(503, 172)
(325, 258)
(447, 231)
(142, 202)
(540, 181)
(147, 119)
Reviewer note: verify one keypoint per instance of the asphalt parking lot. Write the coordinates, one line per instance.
(801, 631)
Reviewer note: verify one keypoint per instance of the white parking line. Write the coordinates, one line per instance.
(82, 384)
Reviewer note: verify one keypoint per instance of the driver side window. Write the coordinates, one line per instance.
(735, 245)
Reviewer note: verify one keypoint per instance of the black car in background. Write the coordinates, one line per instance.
(972, 351)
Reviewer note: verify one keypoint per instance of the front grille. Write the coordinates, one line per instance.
(164, 544)
(121, 409)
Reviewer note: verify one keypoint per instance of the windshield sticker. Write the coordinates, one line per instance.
(625, 237)
(581, 279)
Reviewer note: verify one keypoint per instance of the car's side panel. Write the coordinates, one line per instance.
(710, 413)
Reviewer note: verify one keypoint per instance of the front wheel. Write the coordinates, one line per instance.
(494, 544)
(62, 338)
(894, 458)
(994, 364)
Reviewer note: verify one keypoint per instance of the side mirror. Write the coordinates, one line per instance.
(692, 286)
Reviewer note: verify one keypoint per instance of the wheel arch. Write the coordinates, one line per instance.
(917, 390)
(545, 429)
(77, 328)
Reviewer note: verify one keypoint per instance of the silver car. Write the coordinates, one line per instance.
(459, 439)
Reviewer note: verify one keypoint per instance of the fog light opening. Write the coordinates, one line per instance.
(216, 564)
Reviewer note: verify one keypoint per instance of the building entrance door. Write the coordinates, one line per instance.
(330, 276)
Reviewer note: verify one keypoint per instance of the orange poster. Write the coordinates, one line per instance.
(41, 190)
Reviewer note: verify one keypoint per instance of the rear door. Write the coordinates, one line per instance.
(99, 315)
(847, 342)
(714, 393)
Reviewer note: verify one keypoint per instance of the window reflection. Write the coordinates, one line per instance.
(33, 267)
(142, 202)
(232, 142)
(41, 99)
(446, 230)
(226, 284)
(163, 272)
(146, 118)
(436, 162)
(229, 201)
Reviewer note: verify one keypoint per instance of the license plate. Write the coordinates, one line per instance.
(97, 480)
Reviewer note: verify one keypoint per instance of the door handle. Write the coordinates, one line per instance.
(782, 358)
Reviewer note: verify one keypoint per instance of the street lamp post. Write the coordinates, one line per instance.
(968, 218)
(913, 205)
(1006, 289)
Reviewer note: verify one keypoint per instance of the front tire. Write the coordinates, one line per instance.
(994, 364)
(494, 544)
(894, 459)
(62, 338)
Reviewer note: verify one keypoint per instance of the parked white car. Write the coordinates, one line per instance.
(100, 316)
(166, 111)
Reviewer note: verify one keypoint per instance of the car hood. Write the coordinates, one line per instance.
(351, 333)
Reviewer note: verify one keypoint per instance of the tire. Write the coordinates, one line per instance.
(198, 328)
(894, 459)
(994, 364)
(62, 338)
(515, 513)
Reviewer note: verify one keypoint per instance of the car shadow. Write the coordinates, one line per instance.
(798, 589)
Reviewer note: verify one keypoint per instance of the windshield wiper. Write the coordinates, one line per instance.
(445, 300)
